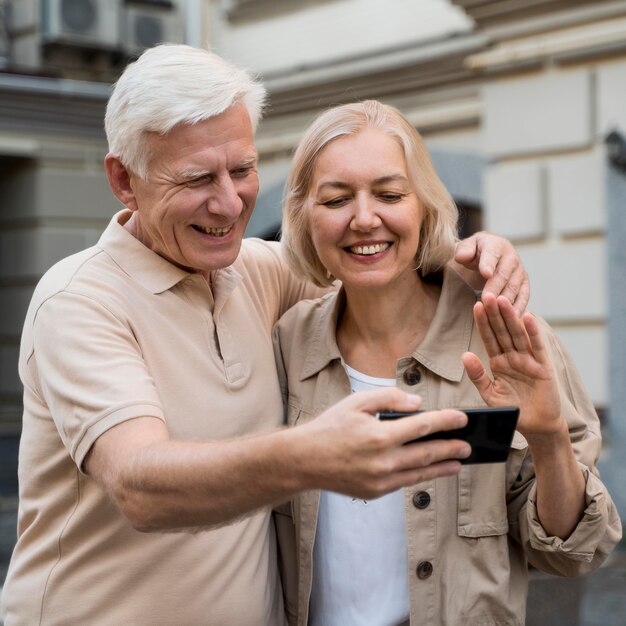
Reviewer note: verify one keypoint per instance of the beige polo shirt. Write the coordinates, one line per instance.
(117, 332)
(469, 537)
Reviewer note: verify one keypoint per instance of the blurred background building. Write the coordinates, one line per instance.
(522, 104)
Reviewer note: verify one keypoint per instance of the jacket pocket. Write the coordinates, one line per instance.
(482, 493)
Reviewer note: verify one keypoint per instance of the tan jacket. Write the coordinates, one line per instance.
(470, 536)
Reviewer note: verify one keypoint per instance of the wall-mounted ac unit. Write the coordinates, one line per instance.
(89, 23)
(146, 23)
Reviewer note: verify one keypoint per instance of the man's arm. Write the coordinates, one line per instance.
(161, 484)
(491, 264)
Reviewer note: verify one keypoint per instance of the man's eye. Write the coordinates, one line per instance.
(200, 180)
(241, 171)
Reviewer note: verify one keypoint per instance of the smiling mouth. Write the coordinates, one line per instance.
(213, 231)
(369, 250)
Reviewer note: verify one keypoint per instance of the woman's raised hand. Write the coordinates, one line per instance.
(522, 374)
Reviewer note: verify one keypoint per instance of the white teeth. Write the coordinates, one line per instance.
(216, 232)
(379, 247)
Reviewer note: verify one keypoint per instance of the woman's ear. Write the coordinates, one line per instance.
(120, 181)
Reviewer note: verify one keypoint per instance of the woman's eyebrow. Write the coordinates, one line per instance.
(333, 184)
(392, 178)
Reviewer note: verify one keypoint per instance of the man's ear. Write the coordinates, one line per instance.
(120, 181)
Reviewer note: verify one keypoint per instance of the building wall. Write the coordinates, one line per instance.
(314, 33)
(54, 202)
(546, 190)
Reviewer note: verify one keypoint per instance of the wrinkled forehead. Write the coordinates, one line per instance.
(227, 136)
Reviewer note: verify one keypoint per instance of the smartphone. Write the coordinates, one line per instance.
(488, 430)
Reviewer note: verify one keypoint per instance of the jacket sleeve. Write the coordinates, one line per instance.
(599, 529)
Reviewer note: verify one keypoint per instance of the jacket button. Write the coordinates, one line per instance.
(421, 499)
(424, 570)
(412, 375)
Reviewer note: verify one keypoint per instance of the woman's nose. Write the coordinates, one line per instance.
(365, 216)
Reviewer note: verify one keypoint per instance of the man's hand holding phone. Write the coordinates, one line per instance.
(489, 431)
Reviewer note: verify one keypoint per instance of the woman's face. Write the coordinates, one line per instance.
(365, 216)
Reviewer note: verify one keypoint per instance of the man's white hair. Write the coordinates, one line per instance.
(173, 84)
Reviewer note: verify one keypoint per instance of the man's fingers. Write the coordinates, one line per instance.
(389, 399)
(413, 476)
(517, 290)
(523, 295)
(466, 251)
(487, 266)
(412, 427)
(502, 270)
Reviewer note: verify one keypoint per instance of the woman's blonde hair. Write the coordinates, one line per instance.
(438, 233)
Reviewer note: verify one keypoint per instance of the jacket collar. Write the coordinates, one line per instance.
(448, 336)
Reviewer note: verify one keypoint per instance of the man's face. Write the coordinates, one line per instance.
(200, 191)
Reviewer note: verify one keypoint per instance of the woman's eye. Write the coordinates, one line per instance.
(391, 197)
(335, 202)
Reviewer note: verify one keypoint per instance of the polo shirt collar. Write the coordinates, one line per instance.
(151, 270)
(447, 338)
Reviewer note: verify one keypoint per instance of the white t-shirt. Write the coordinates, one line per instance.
(360, 561)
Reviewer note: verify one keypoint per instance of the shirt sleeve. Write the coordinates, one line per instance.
(599, 529)
(87, 368)
(271, 272)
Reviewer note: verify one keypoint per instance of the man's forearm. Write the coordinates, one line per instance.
(161, 484)
(170, 485)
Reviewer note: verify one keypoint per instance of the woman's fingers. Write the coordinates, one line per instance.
(534, 336)
(514, 325)
(497, 323)
(487, 334)
(505, 328)
(477, 374)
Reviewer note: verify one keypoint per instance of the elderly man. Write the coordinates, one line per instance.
(152, 449)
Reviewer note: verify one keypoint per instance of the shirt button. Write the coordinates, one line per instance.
(424, 570)
(412, 375)
(421, 499)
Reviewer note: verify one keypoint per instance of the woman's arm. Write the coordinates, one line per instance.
(523, 376)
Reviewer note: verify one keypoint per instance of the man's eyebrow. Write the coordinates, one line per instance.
(194, 172)
(249, 160)
(191, 172)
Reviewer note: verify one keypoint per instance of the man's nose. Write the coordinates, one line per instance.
(225, 199)
(365, 216)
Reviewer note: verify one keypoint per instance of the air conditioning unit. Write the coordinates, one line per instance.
(87, 23)
(146, 23)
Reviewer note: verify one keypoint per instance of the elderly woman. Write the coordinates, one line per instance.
(365, 206)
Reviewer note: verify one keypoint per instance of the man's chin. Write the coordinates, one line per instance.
(218, 260)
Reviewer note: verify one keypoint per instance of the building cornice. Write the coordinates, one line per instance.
(40, 105)
(407, 70)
